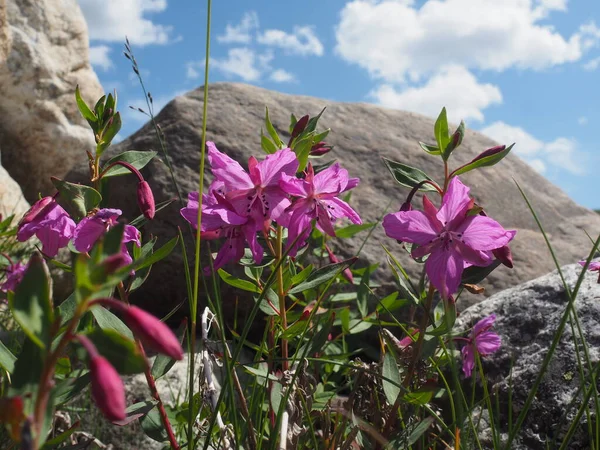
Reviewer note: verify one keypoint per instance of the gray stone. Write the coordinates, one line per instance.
(527, 317)
(12, 201)
(361, 134)
(43, 57)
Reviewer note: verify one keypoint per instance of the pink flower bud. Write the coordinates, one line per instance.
(107, 388)
(145, 200)
(489, 152)
(346, 273)
(115, 262)
(37, 207)
(504, 255)
(320, 149)
(153, 333)
(299, 127)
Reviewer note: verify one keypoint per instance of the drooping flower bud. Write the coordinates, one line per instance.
(145, 200)
(504, 255)
(115, 262)
(152, 332)
(107, 388)
(320, 148)
(346, 273)
(37, 207)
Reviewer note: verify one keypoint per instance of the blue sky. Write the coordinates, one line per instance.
(524, 71)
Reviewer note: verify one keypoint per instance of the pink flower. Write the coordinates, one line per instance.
(91, 228)
(452, 238)
(145, 200)
(220, 220)
(317, 200)
(50, 223)
(256, 194)
(481, 341)
(153, 333)
(14, 275)
(594, 265)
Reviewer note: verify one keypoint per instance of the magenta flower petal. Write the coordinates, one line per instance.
(409, 226)
(468, 357)
(484, 233)
(331, 180)
(294, 186)
(444, 269)
(487, 343)
(341, 209)
(455, 202)
(594, 265)
(275, 165)
(153, 333)
(132, 234)
(88, 231)
(14, 275)
(227, 170)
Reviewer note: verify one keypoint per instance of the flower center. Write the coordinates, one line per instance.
(263, 203)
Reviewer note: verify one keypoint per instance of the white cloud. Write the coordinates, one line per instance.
(592, 64)
(282, 76)
(303, 41)
(582, 120)
(158, 103)
(453, 86)
(99, 57)
(560, 153)
(240, 34)
(112, 20)
(396, 40)
(240, 62)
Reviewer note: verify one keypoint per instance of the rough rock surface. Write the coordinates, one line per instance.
(11, 197)
(361, 134)
(527, 317)
(43, 57)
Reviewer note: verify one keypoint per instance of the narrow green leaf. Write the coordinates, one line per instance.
(351, 230)
(77, 199)
(108, 321)
(455, 141)
(159, 254)
(391, 377)
(136, 411)
(475, 274)
(303, 275)
(137, 159)
(237, 282)
(153, 427)
(322, 275)
(267, 144)
(84, 109)
(109, 134)
(28, 369)
(271, 130)
(408, 176)
(431, 149)
(485, 161)
(442, 135)
(122, 352)
(162, 363)
(31, 304)
(302, 149)
(7, 359)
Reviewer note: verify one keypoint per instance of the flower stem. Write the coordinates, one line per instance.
(281, 295)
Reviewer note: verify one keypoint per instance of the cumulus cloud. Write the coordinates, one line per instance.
(592, 64)
(397, 40)
(112, 20)
(99, 57)
(303, 41)
(282, 76)
(560, 153)
(453, 86)
(241, 33)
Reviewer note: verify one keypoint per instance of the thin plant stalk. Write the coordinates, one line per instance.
(194, 299)
(281, 295)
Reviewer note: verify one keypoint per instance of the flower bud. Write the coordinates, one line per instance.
(153, 333)
(489, 152)
(299, 127)
(504, 255)
(37, 207)
(346, 273)
(145, 200)
(320, 149)
(114, 263)
(107, 388)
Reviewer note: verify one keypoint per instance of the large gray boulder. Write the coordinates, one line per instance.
(12, 201)
(43, 57)
(527, 317)
(361, 134)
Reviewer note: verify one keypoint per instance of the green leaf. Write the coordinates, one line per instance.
(363, 294)
(99, 107)
(293, 122)
(446, 322)
(344, 315)
(135, 158)
(408, 176)
(261, 373)
(84, 109)
(351, 230)
(406, 288)
(77, 199)
(303, 275)
(276, 395)
(271, 130)
(108, 321)
(322, 275)
(431, 149)
(140, 220)
(162, 363)
(153, 427)
(69, 388)
(159, 254)
(28, 369)
(440, 130)
(7, 359)
(136, 411)
(484, 161)
(109, 134)
(267, 144)
(302, 149)
(31, 304)
(237, 282)
(318, 341)
(475, 274)
(455, 141)
(123, 353)
(391, 377)
(265, 306)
